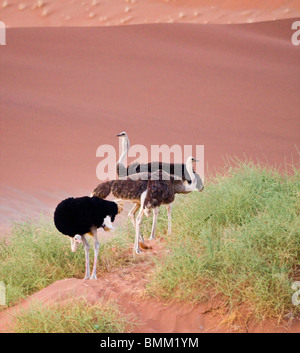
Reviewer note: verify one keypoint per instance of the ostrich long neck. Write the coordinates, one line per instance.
(189, 167)
(125, 148)
(74, 245)
(184, 188)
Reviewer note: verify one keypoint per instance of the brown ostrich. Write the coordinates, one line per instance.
(179, 170)
(149, 194)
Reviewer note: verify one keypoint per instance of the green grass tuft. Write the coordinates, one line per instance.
(239, 240)
(73, 317)
(37, 255)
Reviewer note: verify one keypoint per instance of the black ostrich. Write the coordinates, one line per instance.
(76, 217)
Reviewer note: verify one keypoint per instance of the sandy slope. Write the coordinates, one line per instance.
(65, 91)
(29, 13)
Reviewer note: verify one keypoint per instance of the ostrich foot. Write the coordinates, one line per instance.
(137, 251)
(94, 276)
(144, 246)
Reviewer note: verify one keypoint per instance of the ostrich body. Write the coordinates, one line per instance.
(149, 194)
(179, 170)
(76, 217)
(162, 192)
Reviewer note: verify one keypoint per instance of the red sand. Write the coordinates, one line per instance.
(65, 91)
(29, 13)
(126, 287)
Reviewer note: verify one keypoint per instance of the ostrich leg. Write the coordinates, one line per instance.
(154, 222)
(131, 215)
(96, 251)
(138, 224)
(169, 212)
(87, 257)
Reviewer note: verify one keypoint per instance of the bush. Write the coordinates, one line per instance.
(75, 317)
(239, 240)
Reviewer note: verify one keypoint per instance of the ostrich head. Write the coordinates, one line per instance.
(124, 139)
(196, 183)
(125, 146)
(122, 134)
(191, 159)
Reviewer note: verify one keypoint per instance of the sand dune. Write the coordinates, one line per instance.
(36, 13)
(65, 91)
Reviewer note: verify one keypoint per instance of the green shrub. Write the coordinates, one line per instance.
(74, 317)
(239, 239)
(37, 255)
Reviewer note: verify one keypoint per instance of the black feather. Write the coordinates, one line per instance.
(78, 215)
